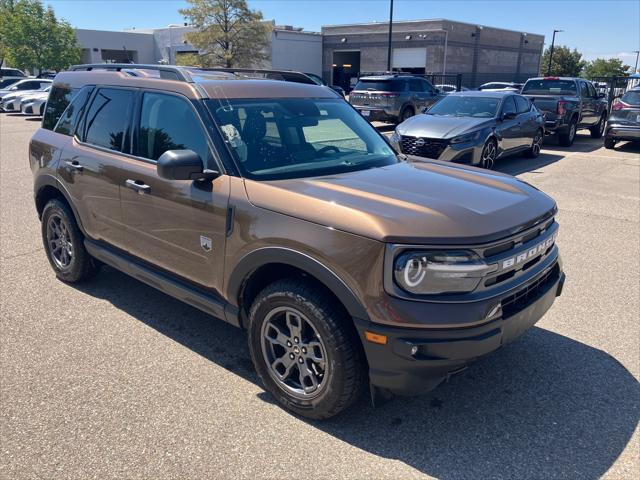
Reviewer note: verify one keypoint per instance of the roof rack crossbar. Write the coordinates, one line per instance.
(167, 72)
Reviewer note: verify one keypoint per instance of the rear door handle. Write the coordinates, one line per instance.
(138, 185)
(75, 165)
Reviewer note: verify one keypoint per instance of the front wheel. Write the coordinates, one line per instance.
(536, 145)
(305, 350)
(406, 114)
(598, 129)
(609, 143)
(489, 154)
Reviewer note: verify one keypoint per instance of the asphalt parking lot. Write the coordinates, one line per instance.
(112, 379)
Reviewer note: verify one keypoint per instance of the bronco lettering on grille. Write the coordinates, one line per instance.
(530, 253)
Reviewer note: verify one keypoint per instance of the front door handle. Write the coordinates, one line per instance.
(138, 185)
(75, 165)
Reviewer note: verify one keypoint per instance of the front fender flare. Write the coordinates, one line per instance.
(264, 256)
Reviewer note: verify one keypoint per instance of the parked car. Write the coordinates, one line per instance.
(13, 102)
(30, 84)
(319, 81)
(445, 89)
(475, 128)
(34, 106)
(568, 105)
(500, 87)
(276, 207)
(624, 121)
(392, 98)
(9, 76)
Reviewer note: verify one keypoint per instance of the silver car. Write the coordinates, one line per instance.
(473, 127)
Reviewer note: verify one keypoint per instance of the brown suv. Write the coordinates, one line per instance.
(275, 206)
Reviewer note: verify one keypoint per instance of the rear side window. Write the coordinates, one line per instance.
(522, 104)
(67, 123)
(12, 72)
(167, 123)
(584, 90)
(59, 99)
(107, 118)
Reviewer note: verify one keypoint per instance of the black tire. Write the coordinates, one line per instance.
(598, 129)
(609, 143)
(536, 145)
(566, 139)
(407, 112)
(80, 266)
(343, 376)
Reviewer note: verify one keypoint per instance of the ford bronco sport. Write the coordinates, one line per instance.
(277, 207)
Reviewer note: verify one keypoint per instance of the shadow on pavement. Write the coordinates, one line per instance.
(518, 164)
(546, 406)
(583, 143)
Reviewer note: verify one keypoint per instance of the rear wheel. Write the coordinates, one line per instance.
(598, 129)
(536, 145)
(566, 139)
(609, 143)
(406, 114)
(64, 244)
(489, 154)
(305, 350)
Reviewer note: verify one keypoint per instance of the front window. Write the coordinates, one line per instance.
(549, 87)
(465, 106)
(274, 139)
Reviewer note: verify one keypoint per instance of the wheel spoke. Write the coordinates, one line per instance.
(279, 338)
(305, 373)
(294, 324)
(286, 363)
(315, 353)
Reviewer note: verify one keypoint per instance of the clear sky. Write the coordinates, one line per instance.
(597, 28)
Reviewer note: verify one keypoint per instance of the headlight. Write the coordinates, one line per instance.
(433, 272)
(467, 137)
(395, 141)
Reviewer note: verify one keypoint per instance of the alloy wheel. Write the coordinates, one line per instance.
(59, 242)
(294, 353)
(537, 143)
(489, 155)
(572, 132)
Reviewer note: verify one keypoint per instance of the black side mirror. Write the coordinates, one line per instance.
(183, 165)
(601, 95)
(508, 115)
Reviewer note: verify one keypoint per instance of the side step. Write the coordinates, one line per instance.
(156, 279)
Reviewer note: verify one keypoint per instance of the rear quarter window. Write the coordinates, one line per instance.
(59, 99)
(69, 119)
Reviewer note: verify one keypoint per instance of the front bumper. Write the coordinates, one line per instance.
(622, 132)
(443, 352)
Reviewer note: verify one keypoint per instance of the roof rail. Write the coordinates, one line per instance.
(285, 75)
(185, 74)
(167, 72)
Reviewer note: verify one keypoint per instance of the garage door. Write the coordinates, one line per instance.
(409, 57)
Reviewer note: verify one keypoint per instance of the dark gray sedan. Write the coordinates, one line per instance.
(475, 128)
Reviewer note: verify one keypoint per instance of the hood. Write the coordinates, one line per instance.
(421, 202)
(438, 126)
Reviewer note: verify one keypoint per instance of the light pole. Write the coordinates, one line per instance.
(553, 41)
(635, 69)
(390, 33)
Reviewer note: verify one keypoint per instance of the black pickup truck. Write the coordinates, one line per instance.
(568, 104)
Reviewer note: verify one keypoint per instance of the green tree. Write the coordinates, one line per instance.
(32, 37)
(228, 33)
(565, 63)
(188, 59)
(605, 67)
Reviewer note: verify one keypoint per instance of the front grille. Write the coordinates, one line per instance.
(423, 147)
(530, 293)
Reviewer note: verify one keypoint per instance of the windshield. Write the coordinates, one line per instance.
(464, 106)
(550, 87)
(274, 139)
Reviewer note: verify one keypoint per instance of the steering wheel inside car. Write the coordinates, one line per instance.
(328, 148)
